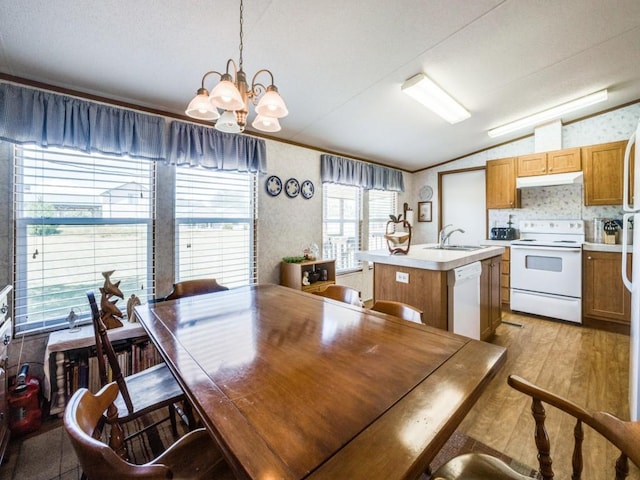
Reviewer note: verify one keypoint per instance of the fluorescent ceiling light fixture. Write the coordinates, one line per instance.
(550, 114)
(423, 90)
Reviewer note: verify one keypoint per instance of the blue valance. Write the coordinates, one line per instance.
(197, 145)
(52, 120)
(344, 171)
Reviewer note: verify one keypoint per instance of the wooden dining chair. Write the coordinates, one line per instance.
(193, 456)
(189, 288)
(341, 293)
(398, 309)
(140, 393)
(625, 436)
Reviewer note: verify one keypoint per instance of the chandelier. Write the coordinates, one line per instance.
(232, 94)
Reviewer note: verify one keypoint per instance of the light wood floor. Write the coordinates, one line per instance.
(587, 366)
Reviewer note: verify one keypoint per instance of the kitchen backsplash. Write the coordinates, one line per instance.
(554, 203)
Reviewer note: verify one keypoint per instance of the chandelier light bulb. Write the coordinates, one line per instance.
(226, 96)
(266, 124)
(271, 104)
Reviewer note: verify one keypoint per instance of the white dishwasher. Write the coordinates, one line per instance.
(464, 300)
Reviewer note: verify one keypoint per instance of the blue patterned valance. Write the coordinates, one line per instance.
(194, 145)
(51, 120)
(341, 170)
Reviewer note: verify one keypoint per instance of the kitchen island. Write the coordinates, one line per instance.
(420, 278)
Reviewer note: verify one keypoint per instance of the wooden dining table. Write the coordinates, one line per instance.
(296, 386)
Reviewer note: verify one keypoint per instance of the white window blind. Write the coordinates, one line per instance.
(76, 216)
(381, 204)
(341, 230)
(216, 226)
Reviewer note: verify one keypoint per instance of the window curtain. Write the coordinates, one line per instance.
(343, 171)
(51, 120)
(197, 145)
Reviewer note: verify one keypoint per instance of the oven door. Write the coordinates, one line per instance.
(552, 270)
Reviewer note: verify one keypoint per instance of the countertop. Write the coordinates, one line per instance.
(587, 246)
(604, 247)
(420, 256)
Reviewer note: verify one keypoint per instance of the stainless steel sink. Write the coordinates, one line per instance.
(459, 248)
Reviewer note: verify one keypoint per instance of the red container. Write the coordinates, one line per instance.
(25, 415)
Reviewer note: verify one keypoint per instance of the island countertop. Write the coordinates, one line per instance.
(426, 258)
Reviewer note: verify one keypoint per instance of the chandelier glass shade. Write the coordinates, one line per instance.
(233, 94)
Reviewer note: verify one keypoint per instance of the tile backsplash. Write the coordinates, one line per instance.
(564, 202)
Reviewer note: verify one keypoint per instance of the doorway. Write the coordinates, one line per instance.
(463, 204)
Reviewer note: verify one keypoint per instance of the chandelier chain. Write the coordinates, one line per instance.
(241, 32)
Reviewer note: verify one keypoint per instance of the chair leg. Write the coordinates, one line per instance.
(191, 419)
(172, 418)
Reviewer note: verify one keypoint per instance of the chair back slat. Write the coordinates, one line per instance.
(341, 293)
(623, 435)
(189, 288)
(95, 318)
(107, 348)
(398, 309)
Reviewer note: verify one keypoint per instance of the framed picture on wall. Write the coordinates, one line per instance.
(424, 211)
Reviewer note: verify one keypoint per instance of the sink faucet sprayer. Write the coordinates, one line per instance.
(444, 236)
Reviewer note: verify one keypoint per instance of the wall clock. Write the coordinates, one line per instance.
(426, 192)
(292, 188)
(273, 185)
(307, 189)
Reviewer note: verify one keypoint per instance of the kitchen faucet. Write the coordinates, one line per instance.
(444, 236)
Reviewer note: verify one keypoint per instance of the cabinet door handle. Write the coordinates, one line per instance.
(588, 258)
(4, 308)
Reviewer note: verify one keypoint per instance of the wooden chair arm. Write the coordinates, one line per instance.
(624, 434)
(194, 451)
(550, 398)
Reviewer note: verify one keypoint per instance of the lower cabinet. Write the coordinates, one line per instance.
(505, 279)
(490, 296)
(428, 291)
(606, 302)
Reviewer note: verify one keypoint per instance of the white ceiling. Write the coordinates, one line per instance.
(339, 65)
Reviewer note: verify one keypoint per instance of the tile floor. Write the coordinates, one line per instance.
(31, 459)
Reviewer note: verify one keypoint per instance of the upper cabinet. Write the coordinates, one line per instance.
(501, 184)
(603, 173)
(547, 163)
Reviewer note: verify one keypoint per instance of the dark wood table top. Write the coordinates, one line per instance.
(293, 385)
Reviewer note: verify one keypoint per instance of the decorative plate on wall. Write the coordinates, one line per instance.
(307, 189)
(274, 185)
(426, 193)
(292, 188)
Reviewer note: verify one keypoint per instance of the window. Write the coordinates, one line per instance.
(345, 226)
(77, 216)
(215, 226)
(381, 204)
(341, 226)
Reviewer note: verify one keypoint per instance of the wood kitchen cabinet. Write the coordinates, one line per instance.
(603, 173)
(426, 290)
(501, 184)
(490, 293)
(505, 277)
(606, 303)
(546, 163)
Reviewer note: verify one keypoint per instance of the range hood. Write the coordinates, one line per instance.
(573, 178)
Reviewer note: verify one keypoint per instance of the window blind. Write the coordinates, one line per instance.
(76, 216)
(381, 204)
(341, 232)
(216, 226)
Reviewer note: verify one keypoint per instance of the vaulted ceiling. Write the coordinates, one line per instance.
(339, 65)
